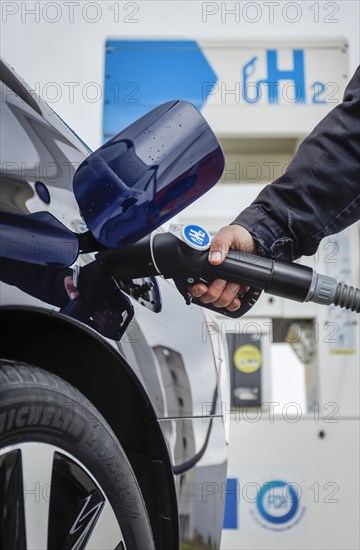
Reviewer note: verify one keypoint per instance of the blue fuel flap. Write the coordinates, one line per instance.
(148, 173)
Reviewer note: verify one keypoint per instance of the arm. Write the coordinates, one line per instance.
(320, 192)
(318, 195)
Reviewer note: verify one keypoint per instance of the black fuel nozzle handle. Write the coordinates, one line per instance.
(288, 280)
(167, 255)
(187, 266)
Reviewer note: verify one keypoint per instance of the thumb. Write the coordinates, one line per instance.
(220, 245)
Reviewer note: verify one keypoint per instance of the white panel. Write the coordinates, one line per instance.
(339, 332)
(324, 470)
(240, 104)
(287, 376)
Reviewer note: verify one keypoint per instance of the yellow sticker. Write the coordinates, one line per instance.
(247, 358)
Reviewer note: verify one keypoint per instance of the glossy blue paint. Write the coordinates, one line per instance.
(37, 238)
(148, 173)
(43, 192)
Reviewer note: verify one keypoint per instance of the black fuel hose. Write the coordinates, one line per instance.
(347, 297)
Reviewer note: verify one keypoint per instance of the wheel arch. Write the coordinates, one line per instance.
(56, 343)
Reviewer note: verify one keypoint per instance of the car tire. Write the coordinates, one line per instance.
(65, 481)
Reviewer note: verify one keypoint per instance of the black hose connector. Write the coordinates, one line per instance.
(347, 297)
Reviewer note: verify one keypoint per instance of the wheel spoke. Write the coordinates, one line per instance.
(53, 502)
(37, 462)
(12, 525)
(106, 534)
(84, 523)
(76, 503)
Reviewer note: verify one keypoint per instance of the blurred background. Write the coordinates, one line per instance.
(294, 368)
(64, 42)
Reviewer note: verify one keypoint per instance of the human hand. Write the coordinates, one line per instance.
(220, 293)
(70, 288)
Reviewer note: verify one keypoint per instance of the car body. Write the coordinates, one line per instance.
(159, 384)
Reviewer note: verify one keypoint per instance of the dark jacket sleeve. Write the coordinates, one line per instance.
(319, 194)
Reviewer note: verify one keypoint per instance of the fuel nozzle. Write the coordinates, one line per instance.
(182, 255)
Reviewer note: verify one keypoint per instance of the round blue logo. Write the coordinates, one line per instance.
(196, 237)
(277, 501)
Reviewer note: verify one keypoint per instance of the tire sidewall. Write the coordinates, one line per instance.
(38, 414)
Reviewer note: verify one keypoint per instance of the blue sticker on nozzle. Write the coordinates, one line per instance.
(196, 237)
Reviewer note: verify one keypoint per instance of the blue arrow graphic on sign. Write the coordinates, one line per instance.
(139, 75)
